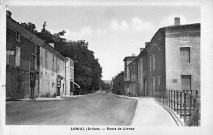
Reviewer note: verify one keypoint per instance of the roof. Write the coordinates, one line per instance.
(129, 57)
(11, 23)
(162, 29)
(183, 26)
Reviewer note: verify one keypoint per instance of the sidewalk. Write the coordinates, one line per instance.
(150, 113)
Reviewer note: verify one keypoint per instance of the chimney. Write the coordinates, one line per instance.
(52, 44)
(177, 21)
(141, 49)
(146, 43)
(8, 13)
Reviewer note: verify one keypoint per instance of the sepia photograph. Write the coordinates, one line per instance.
(94, 67)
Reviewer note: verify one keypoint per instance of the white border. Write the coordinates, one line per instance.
(206, 69)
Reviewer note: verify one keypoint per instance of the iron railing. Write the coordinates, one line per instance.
(185, 103)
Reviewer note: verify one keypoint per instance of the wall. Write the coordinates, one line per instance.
(133, 83)
(69, 76)
(174, 68)
(140, 77)
(118, 84)
(47, 66)
(127, 60)
(17, 75)
(50, 68)
(156, 51)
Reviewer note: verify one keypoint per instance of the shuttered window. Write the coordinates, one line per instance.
(158, 82)
(153, 61)
(153, 83)
(186, 82)
(17, 57)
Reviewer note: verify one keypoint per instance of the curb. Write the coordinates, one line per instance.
(133, 116)
(47, 99)
(126, 97)
(174, 115)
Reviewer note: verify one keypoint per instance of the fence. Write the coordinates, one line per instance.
(185, 103)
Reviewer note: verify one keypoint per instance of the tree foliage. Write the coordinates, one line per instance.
(87, 70)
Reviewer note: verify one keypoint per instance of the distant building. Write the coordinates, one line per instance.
(171, 60)
(118, 84)
(70, 76)
(27, 54)
(127, 60)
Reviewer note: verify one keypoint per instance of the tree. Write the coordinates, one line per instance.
(30, 26)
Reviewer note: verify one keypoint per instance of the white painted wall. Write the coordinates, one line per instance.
(174, 68)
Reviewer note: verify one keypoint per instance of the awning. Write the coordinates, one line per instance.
(77, 85)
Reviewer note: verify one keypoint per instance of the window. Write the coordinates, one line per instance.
(158, 82)
(186, 82)
(150, 63)
(18, 37)
(46, 66)
(153, 87)
(8, 56)
(46, 63)
(34, 61)
(185, 54)
(184, 36)
(17, 57)
(46, 54)
(53, 69)
(153, 61)
(41, 65)
(35, 49)
(153, 83)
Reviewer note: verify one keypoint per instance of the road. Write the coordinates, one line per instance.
(97, 109)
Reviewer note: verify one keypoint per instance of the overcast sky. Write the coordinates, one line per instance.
(113, 32)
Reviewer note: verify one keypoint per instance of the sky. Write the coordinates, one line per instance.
(113, 32)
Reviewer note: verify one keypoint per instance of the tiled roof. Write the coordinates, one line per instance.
(182, 26)
(41, 43)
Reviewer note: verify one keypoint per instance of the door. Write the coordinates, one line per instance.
(145, 88)
(185, 82)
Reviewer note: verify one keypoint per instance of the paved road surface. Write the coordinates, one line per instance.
(96, 109)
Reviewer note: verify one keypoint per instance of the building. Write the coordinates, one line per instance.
(70, 76)
(118, 84)
(127, 60)
(30, 58)
(171, 60)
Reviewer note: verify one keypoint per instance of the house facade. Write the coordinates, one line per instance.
(171, 60)
(118, 84)
(29, 57)
(182, 53)
(127, 60)
(69, 77)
